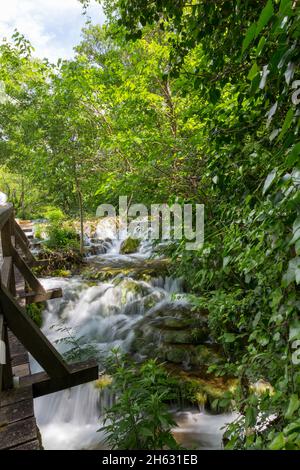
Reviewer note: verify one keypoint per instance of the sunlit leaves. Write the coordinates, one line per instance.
(250, 35)
(269, 180)
(287, 123)
(265, 17)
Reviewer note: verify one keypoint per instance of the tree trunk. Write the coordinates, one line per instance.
(80, 200)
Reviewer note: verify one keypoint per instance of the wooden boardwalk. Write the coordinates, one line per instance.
(18, 334)
(18, 428)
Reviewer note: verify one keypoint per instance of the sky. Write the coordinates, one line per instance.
(52, 26)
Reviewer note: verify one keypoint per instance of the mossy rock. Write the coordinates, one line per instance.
(204, 389)
(129, 246)
(186, 336)
(144, 270)
(190, 355)
(177, 317)
(132, 287)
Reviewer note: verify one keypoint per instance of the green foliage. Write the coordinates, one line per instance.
(77, 349)
(197, 103)
(140, 418)
(35, 311)
(61, 234)
(55, 215)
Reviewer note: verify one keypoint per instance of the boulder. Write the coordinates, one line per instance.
(129, 246)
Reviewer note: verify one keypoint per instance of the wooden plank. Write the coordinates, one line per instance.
(34, 297)
(31, 336)
(33, 445)
(25, 250)
(16, 395)
(17, 360)
(16, 347)
(7, 251)
(3, 347)
(29, 277)
(18, 433)
(21, 370)
(7, 271)
(16, 412)
(42, 384)
(5, 213)
(21, 235)
(7, 377)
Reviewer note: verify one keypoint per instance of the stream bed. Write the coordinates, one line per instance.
(106, 314)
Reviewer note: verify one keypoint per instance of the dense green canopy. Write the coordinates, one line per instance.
(194, 101)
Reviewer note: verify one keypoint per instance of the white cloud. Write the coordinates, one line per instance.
(52, 26)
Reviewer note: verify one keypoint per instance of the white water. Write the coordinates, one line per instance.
(103, 317)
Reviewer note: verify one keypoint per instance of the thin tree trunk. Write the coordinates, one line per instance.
(80, 200)
(22, 198)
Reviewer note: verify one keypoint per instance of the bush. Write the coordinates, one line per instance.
(140, 418)
(35, 311)
(61, 233)
(55, 215)
(62, 236)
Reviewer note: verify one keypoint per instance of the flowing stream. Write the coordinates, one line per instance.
(102, 315)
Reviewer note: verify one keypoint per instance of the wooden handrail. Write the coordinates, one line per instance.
(5, 213)
(16, 255)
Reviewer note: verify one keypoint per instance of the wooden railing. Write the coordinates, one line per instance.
(19, 286)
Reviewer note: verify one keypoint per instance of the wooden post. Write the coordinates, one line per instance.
(7, 250)
(31, 336)
(6, 376)
(26, 272)
(58, 375)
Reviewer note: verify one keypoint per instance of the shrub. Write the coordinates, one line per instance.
(61, 233)
(140, 418)
(62, 236)
(35, 311)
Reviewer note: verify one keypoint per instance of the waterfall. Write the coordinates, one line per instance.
(102, 317)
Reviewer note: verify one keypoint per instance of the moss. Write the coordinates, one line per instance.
(203, 389)
(185, 336)
(139, 271)
(35, 311)
(61, 273)
(129, 246)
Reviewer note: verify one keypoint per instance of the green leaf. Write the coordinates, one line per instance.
(294, 155)
(284, 5)
(278, 442)
(261, 45)
(293, 406)
(293, 272)
(265, 17)
(229, 337)
(294, 332)
(250, 417)
(253, 72)
(287, 123)
(249, 37)
(269, 180)
(296, 231)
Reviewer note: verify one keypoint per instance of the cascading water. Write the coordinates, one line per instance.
(103, 317)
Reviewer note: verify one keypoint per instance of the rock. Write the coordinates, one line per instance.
(186, 336)
(129, 246)
(145, 270)
(203, 389)
(191, 355)
(97, 247)
(131, 287)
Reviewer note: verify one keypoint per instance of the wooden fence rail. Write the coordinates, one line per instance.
(17, 258)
